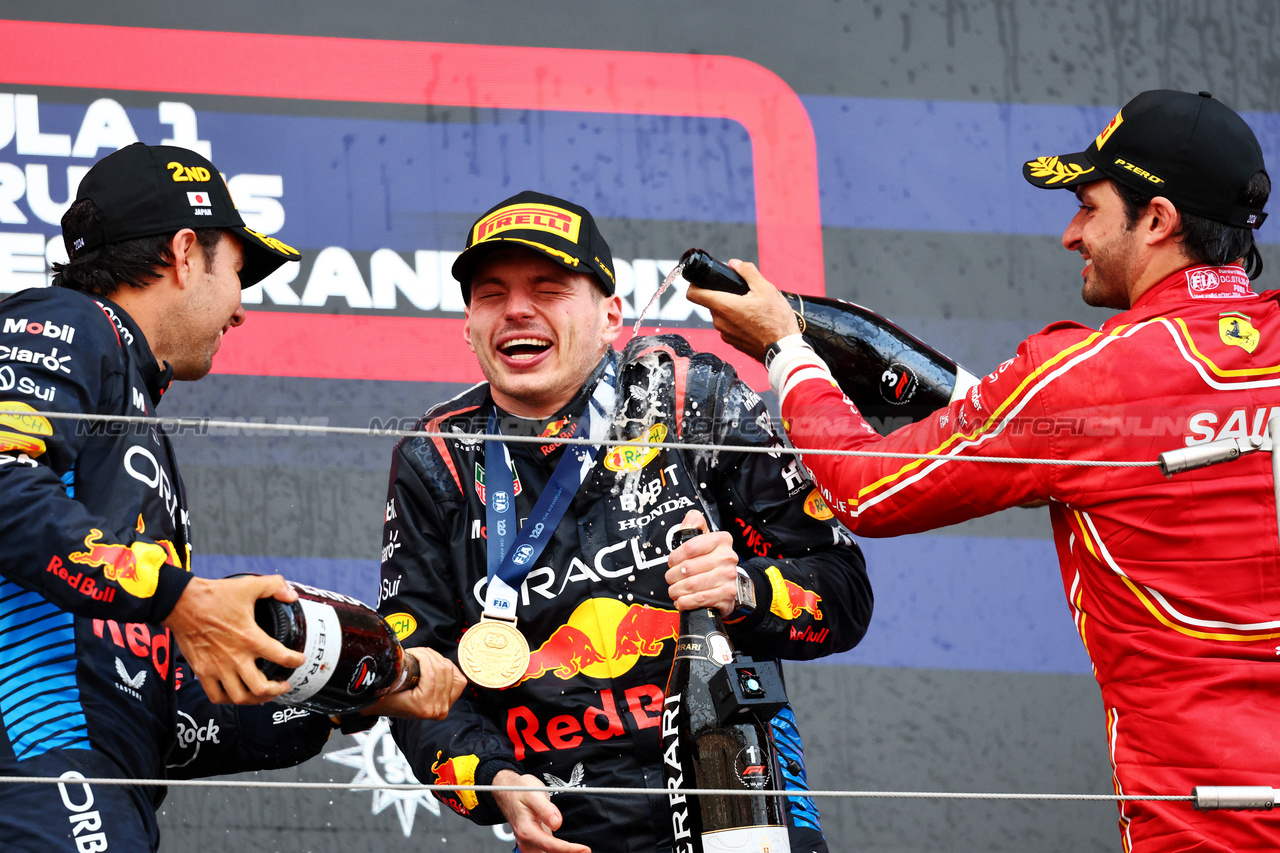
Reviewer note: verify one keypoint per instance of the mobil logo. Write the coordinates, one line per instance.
(45, 329)
(603, 638)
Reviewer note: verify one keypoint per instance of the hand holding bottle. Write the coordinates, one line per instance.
(439, 685)
(704, 570)
(749, 323)
(213, 624)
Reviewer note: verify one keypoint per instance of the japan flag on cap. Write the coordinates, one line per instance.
(199, 199)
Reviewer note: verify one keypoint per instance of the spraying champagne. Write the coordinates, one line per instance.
(890, 375)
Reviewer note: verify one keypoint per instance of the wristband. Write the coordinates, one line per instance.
(789, 342)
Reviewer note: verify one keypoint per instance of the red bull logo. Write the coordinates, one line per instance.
(554, 427)
(135, 567)
(790, 599)
(644, 629)
(565, 653)
(603, 639)
(460, 770)
(600, 721)
(528, 217)
(563, 428)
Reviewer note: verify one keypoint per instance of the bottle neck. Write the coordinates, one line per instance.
(700, 622)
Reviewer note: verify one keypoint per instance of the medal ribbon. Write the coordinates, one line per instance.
(510, 554)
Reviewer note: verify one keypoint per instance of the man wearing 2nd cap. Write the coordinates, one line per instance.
(594, 584)
(1171, 583)
(97, 602)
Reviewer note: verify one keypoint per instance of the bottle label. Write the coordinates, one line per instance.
(747, 839)
(719, 649)
(898, 384)
(673, 774)
(691, 648)
(752, 767)
(322, 648)
(713, 647)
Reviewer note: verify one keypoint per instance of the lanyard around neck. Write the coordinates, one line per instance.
(510, 554)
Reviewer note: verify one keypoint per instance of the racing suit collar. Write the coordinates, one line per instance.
(1198, 281)
(157, 377)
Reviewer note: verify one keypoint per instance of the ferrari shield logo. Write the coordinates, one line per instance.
(1236, 330)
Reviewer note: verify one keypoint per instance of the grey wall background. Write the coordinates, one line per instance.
(986, 727)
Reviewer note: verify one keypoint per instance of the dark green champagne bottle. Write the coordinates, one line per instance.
(698, 751)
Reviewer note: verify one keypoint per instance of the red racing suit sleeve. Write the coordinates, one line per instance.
(813, 597)
(422, 580)
(1015, 411)
(75, 556)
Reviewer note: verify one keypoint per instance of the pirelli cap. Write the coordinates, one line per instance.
(1191, 149)
(149, 190)
(559, 229)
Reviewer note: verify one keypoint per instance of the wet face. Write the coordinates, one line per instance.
(209, 308)
(1102, 235)
(537, 329)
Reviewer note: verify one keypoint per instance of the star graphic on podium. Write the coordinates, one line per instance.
(376, 758)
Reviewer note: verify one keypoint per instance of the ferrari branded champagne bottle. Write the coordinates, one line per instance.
(891, 376)
(698, 751)
(353, 657)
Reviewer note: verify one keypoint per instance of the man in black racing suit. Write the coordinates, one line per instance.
(96, 594)
(597, 605)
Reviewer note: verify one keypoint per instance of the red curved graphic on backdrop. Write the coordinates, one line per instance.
(789, 235)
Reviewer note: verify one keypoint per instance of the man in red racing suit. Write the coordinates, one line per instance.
(1172, 583)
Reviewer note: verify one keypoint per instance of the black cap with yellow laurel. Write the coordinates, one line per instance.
(1191, 149)
(559, 229)
(149, 190)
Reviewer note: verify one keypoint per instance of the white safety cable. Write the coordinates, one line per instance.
(648, 792)
(181, 424)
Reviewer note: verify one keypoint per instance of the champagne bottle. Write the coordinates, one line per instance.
(890, 375)
(353, 657)
(699, 751)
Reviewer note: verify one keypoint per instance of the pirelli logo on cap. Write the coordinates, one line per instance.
(1108, 130)
(528, 217)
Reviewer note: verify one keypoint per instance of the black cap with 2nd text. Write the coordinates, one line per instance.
(559, 229)
(150, 190)
(1191, 149)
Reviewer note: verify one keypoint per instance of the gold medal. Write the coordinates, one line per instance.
(492, 653)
